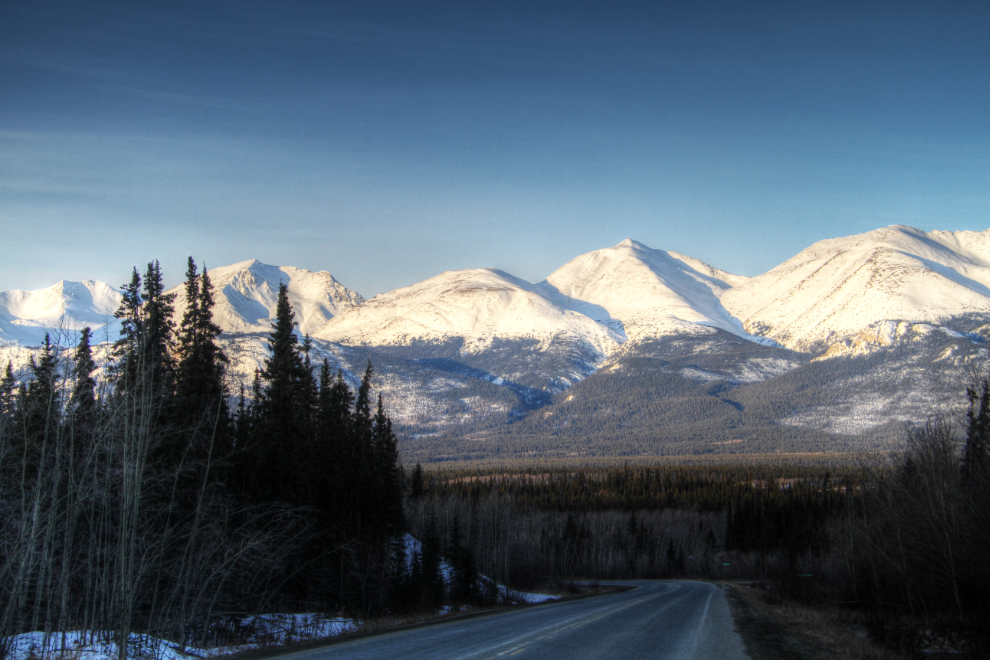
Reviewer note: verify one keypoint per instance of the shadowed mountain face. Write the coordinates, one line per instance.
(623, 351)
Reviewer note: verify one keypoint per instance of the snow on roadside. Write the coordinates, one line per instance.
(262, 631)
(505, 594)
(511, 595)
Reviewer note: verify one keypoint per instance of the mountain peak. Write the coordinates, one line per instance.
(643, 289)
(836, 287)
(632, 244)
(477, 306)
(66, 306)
(246, 294)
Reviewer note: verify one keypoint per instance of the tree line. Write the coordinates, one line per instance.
(152, 500)
(901, 538)
(634, 522)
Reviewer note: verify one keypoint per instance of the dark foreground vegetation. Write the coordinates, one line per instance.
(903, 541)
(140, 502)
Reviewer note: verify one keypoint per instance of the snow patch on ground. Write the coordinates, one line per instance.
(506, 595)
(753, 370)
(262, 631)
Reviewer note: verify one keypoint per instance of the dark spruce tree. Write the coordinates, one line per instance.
(159, 330)
(40, 419)
(7, 399)
(360, 485)
(307, 464)
(333, 424)
(416, 485)
(338, 420)
(388, 476)
(82, 410)
(283, 422)
(145, 370)
(127, 350)
(83, 401)
(201, 413)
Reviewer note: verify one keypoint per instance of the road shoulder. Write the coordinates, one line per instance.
(795, 632)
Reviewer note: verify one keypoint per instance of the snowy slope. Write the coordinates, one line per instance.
(479, 305)
(838, 287)
(25, 316)
(644, 292)
(245, 294)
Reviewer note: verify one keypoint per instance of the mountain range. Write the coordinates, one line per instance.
(624, 351)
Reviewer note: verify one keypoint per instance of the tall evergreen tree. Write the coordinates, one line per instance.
(188, 328)
(388, 473)
(7, 398)
(337, 421)
(41, 405)
(309, 452)
(200, 400)
(159, 330)
(362, 495)
(362, 408)
(332, 428)
(282, 422)
(416, 482)
(83, 400)
(127, 348)
(144, 349)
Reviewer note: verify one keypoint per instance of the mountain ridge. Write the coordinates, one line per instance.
(624, 350)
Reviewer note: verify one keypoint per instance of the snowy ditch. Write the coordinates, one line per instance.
(256, 632)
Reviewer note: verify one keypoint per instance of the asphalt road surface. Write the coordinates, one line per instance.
(682, 620)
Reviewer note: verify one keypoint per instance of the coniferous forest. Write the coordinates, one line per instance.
(153, 499)
(901, 540)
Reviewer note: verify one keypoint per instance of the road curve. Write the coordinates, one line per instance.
(668, 619)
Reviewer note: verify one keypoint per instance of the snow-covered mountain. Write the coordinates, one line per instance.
(640, 291)
(836, 288)
(477, 306)
(61, 309)
(627, 349)
(245, 294)
(483, 322)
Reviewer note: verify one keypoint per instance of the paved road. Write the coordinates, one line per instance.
(676, 620)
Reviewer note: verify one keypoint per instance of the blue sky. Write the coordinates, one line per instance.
(386, 142)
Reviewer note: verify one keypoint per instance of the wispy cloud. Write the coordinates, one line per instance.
(65, 65)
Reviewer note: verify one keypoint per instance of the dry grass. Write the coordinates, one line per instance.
(416, 618)
(807, 632)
